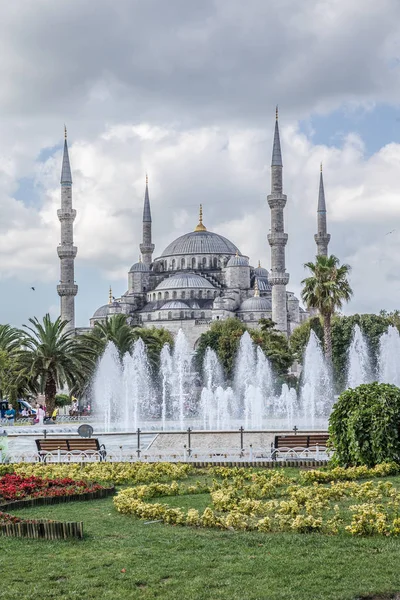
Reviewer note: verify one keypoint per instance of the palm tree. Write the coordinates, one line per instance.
(326, 290)
(114, 329)
(54, 358)
(13, 378)
(117, 330)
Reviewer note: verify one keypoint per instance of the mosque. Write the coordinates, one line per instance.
(199, 277)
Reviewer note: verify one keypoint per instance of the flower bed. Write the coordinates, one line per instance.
(16, 487)
(17, 491)
(270, 501)
(116, 473)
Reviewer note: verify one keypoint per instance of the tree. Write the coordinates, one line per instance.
(364, 426)
(117, 330)
(372, 326)
(54, 358)
(224, 338)
(326, 290)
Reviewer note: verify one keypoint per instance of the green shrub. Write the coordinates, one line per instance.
(364, 426)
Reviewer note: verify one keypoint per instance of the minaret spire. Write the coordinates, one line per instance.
(278, 278)
(322, 238)
(147, 247)
(67, 289)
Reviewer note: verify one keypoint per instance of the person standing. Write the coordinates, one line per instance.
(40, 414)
(10, 415)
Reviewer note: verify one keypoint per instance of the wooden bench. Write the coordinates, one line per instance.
(54, 445)
(301, 441)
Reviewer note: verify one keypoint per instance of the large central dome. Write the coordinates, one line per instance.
(200, 242)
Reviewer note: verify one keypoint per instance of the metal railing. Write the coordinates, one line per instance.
(188, 455)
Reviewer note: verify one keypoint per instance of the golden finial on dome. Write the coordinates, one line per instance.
(140, 258)
(259, 264)
(200, 226)
(256, 289)
(110, 296)
(65, 132)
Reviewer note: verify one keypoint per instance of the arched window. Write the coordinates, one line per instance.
(215, 262)
(193, 263)
(204, 262)
(181, 314)
(200, 293)
(144, 288)
(215, 294)
(149, 317)
(174, 295)
(183, 294)
(159, 296)
(262, 316)
(202, 315)
(166, 296)
(159, 315)
(208, 294)
(183, 263)
(192, 315)
(170, 315)
(173, 264)
(191, 293)
(161, 266)
(251, 317)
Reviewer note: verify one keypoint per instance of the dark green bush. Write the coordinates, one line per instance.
(364, 425)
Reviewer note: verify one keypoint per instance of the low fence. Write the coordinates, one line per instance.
(186, 455)
(60, 419)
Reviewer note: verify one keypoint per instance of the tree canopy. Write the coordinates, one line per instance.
(224, 337)
(326, 290)
(372, 326)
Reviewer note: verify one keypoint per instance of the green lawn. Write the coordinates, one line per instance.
(174, 563)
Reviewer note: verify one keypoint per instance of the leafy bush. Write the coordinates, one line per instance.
(63, 400)
(364, 426)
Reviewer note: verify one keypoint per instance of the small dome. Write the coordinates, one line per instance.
(256, 304)
(238, 261)
(101, 312)
(139, 266)
(184, 280)
(173, 304)
(261, 272)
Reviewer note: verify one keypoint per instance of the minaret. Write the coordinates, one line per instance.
(278, 278)
(146, 247)
(67, 289)
(322, 237)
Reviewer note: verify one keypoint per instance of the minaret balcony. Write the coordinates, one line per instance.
(278, 238)
(278, 278)
(277, 200)
(64, 251)
(322, 238)
(67, 289)
(66, 214)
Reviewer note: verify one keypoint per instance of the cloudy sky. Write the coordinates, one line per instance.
(186, 91)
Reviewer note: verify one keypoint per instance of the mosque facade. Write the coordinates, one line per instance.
(199, 277)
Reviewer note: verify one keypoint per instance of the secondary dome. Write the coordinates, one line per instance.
(260, 271)
(238, 261)
(256, 304)
(139, 266)
(184, 280)
(102, 311)
(173, 304)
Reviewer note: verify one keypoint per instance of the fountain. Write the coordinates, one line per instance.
(107, 387)
(126, 398)
(316, 397)
(359, 368)
(389, 357)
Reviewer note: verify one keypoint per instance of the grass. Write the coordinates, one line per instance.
(122, 558)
